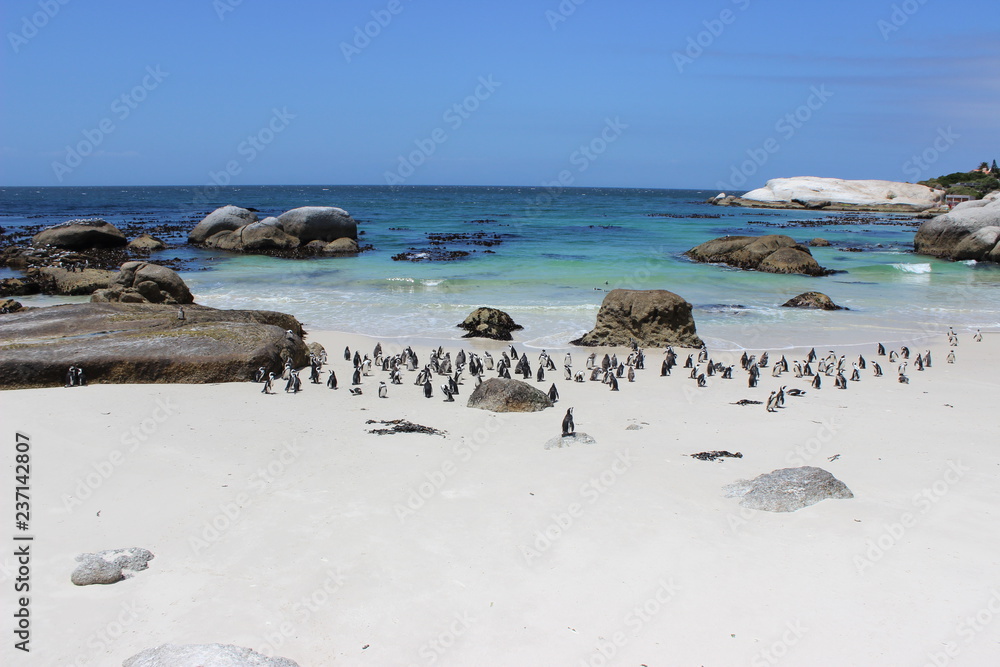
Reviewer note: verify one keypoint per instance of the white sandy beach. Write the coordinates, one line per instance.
(280, 524)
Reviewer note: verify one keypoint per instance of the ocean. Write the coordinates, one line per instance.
(547, 257)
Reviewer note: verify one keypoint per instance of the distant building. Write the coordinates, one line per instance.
(953, 200)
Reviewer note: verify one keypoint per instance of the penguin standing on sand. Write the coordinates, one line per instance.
(553, 393)
(878, 370)
(881, 350)
(568, 427)
(347, 354)
(428, 389)
(771, 401)
(356, 380)
(613, 381)
(267, 384)
(540, 375)
(631, 374)
(448, 397)
(951, 356)
(331, 381)
(816, 383)
(383, 390)
(81, 379)
(978, 337)
(71, 376)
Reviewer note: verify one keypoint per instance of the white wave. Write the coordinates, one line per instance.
(912, 268)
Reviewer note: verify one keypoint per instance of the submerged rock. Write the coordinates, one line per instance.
(650, 318)
(816, 300)
(489, 323)
(204, 655)
(788, 489)
(773, 253)
(503, 395)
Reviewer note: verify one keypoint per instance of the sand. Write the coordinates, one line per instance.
(281, 524)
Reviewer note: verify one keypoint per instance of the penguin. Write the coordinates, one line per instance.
(904, 352)
(856, 374)
(356, 380)
(383, 390)
(878, 370)
(260, 374)
(893, 356)
(71, 376)
(664, 369)
(347, 354)
(918, 363)
(428, 389)
(640, 361)
(378, 350)
(978, 337)
(763, 360)
(453, 386)
(816, 383)
(331, 381)
(744, 361)
(796, 392)
(357, 359)
(580, 377)
(568, 372)
(540, 375)
(797, 369)
(81, 379)
(620, 371)
(862, 364)
(771, 401)
(881, 350)
(180, 313)
(701, 382)
(703, 354)
(553, 393)
(606, 362)
(591, 360)
(289, 382)
(951, 356)
(289, 334)
(568, 427)
(568, 359)
(355, 391)
(927, 359)
(446, 390)
(752, 381)
(728, 373)
(631, 374)
(314, 374)
(296, 383)
(267, 384)
(779, 400)
(811, 357)
(841, 381)
(460, 358)
(903, 379)
(613, 381)
(690, 361)
(776, 371)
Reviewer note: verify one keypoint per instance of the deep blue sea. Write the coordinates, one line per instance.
(559, 251)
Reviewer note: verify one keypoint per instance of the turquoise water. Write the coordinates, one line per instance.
(559, 251)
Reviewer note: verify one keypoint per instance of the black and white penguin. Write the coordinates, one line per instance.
(951, 356)
(296, 383)
(71, 376)
(448, 397)
(613, 381)
(817, 383)
(978, 337)
(356, 379)
(631, 374)
(180, 313)
(553, 393)
(702, 382)
(378, 350)
(267, 384)
(383, 390)
(568, 427)
(664, 369)
(347, 354)
(763, 360)
(428, 389)
(771, 402)
(540, 375)
(927, 359)
(904, 352)
(568, 372)
(81, 379)
(331, 381)
(878, 370)
(881, 350)
(841, 381)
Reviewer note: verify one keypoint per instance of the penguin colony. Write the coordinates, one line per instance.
(440, 368)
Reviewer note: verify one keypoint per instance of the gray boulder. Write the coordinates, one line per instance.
(319, 223)
(816, 300)
(970, 231)
(142, 282)
(578, 438)
(651, 318)
(81, 235)
(204, 655)
(109, 567)
(773, 253)
(221, 219)
(503, 395)
(788, 489)
(146, 243)
(489, 323)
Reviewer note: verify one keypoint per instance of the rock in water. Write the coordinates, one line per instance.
(578, 438)
(819, 243)
(80, 235)
(489, 323)
(57, 280)
(788, 489)
(837, 194)
(651, 318)
(108, 567)
(503, 395)
(812, 300)
(147, 243)
(204, 655)
(773, 253)
(226, 218)
(970, 231)
(142, 282)
(319, 223)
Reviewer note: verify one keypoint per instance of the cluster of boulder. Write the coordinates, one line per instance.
(142, 282)
(325, 230)
(773, 253)
(970, 231)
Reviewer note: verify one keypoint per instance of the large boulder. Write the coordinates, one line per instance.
(57, 280)
(221, 219)
(837, 194)
(146, 243)
(109, 567)
(788, 489)
(264, 235)
(773, 253)
(503, 395)
(152, 282)
(816, 300)
(650, 318)
(204, 655)
(318, 223)
(81, 235)
(489, 323)
(145, 343)
(970, 231)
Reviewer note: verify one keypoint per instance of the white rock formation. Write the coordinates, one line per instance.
(813, 190)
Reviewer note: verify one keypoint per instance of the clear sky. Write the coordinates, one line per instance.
(520, 92)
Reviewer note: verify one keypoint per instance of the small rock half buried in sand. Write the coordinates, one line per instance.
(204, 655)
(111, 566)
(578, 438)
(788, 489)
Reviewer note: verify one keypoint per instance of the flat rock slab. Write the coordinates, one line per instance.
(204, 655)
(144, 343)
(787, 489)
(561, 441)
(111, 566)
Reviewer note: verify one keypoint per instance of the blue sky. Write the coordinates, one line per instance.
(600, 93)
